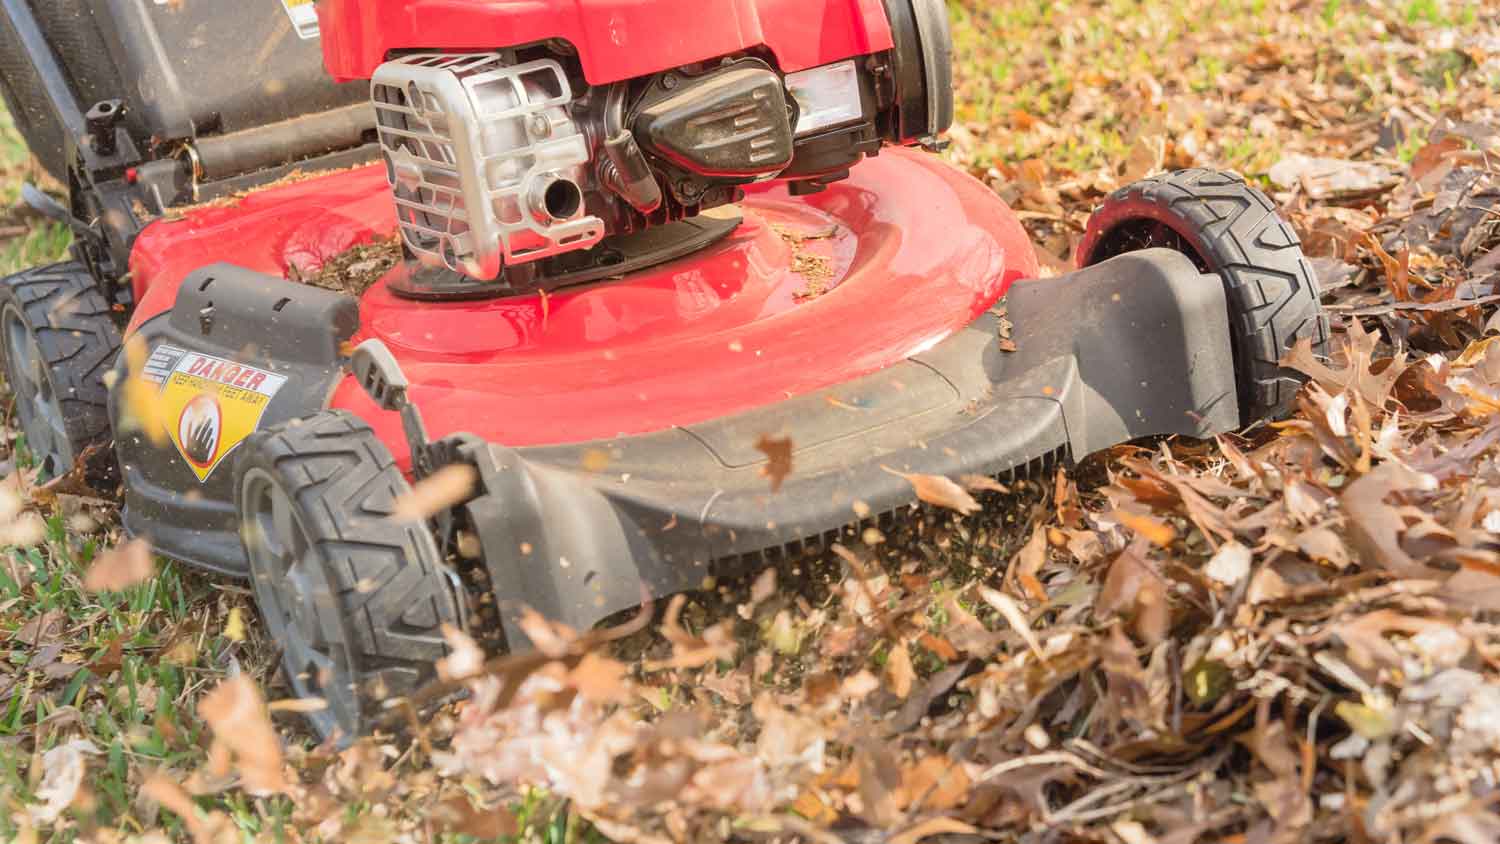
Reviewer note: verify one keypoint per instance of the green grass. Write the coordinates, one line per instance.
(143, 655)
(1078, 68)
(40, 242)
(136, 659)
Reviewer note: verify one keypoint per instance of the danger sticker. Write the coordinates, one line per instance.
(208, 404)
(304, 17)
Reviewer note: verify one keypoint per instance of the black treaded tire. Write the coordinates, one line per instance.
(359, 585)
(1229, 228)
(75, 339)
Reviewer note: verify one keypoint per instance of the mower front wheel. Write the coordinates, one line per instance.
(1230, 229)
(56, 342)
(355, 597)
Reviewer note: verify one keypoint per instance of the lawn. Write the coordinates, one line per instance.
(1287, 635)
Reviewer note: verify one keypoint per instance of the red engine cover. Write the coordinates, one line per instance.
(615, 39)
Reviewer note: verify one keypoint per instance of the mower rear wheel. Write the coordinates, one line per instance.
(1229, 228)
(56, 342)
(355, 598)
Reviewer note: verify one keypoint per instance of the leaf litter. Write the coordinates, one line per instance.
(1287, 634)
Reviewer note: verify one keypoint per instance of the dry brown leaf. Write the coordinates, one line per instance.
(243, 734)
(465, 658)
(600, 679)
(121, 566)
(1028, 563)
(448, 486)
(690, 650)
(62, 772)
(899, 670)
(175, 799)
(457, 816)
(939, 490)
(982, 483)
(930, 827)
(300, 705)
(1375, 526)
(553, 639)
(1156, 531)
(778, 452)
(1013, 616)
(1132, 587)
(1359, 346)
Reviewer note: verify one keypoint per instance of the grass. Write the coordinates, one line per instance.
(124, 669)
(1080, 72)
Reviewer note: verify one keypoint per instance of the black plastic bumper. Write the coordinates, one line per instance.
(1136, 346)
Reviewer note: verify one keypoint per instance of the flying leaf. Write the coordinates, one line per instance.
(982, 483)
(1151, 528)
(452, 484)
(941, 491)
(243, 735)
(778, 452)
(121, 566)
(464, 659)
(63, 768)
(234, 627)
(141, 401)
(932, 826)
(899, 670)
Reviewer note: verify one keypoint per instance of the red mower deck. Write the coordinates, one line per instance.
(917, 250)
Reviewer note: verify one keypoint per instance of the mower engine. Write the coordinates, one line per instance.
(508, 166)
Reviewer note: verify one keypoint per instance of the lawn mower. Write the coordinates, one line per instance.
(679, 281)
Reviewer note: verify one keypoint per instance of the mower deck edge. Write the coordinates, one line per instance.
(1136, 346)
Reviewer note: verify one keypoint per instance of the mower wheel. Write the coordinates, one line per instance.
(355, 598)
(56, 342)
(1226, 227)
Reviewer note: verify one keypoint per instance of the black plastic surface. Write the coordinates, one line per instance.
(200, 68)
(289, 329)
(182, 71)
(1132, 347)
(731, 122)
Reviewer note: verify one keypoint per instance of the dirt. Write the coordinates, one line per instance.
(355, 269)
(816, 269)
(178, 212)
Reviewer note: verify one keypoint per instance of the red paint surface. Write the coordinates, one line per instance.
(615, 39)
(920, 250)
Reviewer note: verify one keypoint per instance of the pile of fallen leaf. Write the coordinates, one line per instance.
(1290, 634)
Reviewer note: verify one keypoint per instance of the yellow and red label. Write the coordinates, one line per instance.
(208, 404)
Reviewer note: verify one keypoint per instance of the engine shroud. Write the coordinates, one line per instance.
(511, 170)
(484, 160)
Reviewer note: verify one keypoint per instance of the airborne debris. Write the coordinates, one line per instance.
(121, 566)
(1308, 655)
(450, 485)
(778, 452)
(936, 489)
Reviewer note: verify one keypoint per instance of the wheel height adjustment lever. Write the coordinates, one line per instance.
(378, 373)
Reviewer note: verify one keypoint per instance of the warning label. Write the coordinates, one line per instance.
(304, 17)
(208, 404)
